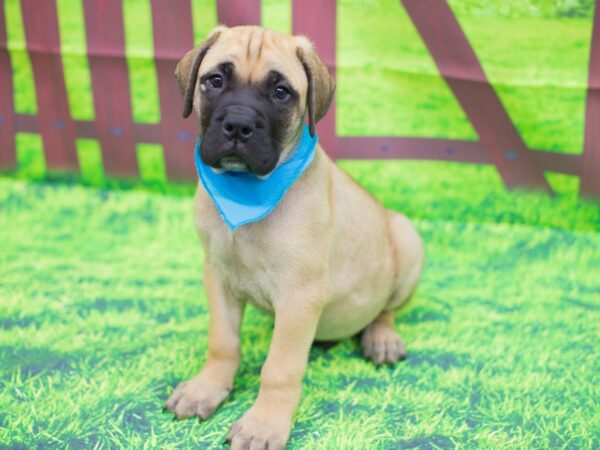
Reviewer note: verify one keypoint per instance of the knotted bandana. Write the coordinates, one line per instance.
(242, 197)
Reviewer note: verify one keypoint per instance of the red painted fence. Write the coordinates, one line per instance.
(499, 141)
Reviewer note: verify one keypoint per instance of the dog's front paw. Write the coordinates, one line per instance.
(196, 398)
(259, 433)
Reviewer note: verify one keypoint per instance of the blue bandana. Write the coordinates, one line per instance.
(242, 197)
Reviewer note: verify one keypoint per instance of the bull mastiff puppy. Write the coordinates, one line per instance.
(328, 261)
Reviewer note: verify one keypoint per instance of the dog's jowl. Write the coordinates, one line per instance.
(282, 227)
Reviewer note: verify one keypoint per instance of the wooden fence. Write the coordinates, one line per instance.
(499, 141)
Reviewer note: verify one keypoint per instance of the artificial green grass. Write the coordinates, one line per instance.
(102, 313)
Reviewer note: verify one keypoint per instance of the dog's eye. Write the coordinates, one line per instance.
(215, 81)
(281, 92)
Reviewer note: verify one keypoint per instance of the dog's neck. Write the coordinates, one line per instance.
(290, 148)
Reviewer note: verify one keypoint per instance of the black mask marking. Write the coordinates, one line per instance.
(244, 125)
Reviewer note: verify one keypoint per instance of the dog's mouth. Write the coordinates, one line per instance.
(234, 156)
(232, 163)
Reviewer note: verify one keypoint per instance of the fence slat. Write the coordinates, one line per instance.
(110, 85)
(316, 19)
(173, 36)
(458, 64)
(8, 156)
(54, 117)
(590, 168)
(238, 12)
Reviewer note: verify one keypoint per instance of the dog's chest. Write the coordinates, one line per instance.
(246, 263)
(258, 260)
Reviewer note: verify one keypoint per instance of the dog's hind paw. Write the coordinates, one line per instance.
(380, 343)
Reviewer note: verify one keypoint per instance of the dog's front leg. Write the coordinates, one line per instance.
(267, 424)
(206, 391)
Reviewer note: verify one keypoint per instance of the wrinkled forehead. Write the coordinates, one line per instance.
(255, 52)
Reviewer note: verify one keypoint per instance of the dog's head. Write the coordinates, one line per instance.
(252, 90)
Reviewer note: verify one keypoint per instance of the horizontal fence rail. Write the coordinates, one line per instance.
(499, 144)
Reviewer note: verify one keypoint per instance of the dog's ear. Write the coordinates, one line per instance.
(187, 68)
(321, 85)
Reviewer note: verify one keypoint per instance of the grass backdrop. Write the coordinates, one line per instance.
(102, 313)
(102, 310)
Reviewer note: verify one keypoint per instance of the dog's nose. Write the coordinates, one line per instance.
(239, 126)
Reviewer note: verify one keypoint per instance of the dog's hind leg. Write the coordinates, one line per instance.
(380, 341)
